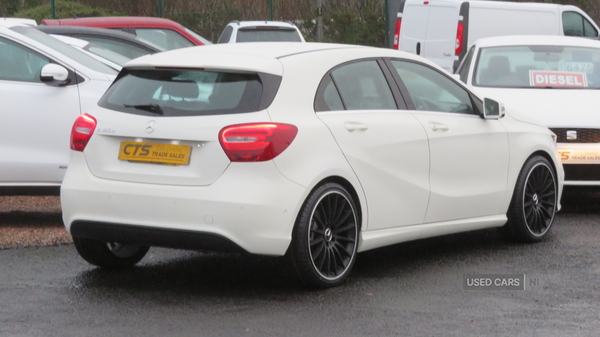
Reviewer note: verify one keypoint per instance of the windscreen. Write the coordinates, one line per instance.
(538, 67)
(258, 34)
(183, 92)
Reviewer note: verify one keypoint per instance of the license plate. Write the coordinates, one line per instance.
(156, 153)
(580, 156)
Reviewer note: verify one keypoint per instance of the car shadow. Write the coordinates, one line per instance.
(189, 274)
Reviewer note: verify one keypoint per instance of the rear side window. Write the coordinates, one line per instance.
(574, 24)
(258, 34)
(362, 86)
(186, 92)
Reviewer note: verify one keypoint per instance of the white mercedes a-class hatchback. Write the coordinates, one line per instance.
(312, 151)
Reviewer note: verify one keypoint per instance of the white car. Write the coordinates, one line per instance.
(45, 85)
(554, 79)
(260, 31)
(317, 151)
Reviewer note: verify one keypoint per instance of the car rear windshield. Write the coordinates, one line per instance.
(260, 34)
(538, 66)
(185, 92)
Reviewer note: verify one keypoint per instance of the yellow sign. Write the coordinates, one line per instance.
(155, 153)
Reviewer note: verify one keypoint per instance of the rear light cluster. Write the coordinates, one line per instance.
(82, 131)
(256, 142)
(459, 38)
(241, 143)
(397, 33)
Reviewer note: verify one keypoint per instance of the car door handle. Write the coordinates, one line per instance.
(438, 126)
(355, 126)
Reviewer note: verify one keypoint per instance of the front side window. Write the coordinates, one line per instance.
(362, 86)
(432, 91)
(574, 24)
(19, 63)
(183, 92)
(165, 38)
(65, 49)
(538, 67)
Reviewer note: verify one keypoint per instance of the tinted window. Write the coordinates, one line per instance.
(432, 91)
(226, 35)
(332, 97)
(166, 38)
(183, 93)
(363, 86)
(574, 24)
(20, 63)
(267, 34)
(538, 66)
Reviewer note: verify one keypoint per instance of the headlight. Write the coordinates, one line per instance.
(554, 136)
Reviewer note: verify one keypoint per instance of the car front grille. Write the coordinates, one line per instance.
(582, 172)
(583, 135)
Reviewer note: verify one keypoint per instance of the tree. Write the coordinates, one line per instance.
(63, 9)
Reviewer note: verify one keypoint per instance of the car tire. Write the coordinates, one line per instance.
(533, 205)
(325, 237)
(109, 255)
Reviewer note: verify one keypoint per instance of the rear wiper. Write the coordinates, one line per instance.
(155, 108)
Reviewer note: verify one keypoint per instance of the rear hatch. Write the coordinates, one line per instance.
(161, 126)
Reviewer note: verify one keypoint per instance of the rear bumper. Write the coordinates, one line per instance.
(151, 236)
(251, 208)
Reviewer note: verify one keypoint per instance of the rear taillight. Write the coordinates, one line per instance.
(82, 131)
(459, 39)
(256, 142)
(397, 33)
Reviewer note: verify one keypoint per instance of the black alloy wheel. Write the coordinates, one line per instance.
(533, 206)
(325, 237)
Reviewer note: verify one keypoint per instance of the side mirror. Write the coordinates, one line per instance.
(55, 74)
(492, 109)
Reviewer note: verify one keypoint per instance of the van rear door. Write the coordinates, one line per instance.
(429, 29)
(414, 26)
(441, 34)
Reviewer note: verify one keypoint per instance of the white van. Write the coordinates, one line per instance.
(442, 30)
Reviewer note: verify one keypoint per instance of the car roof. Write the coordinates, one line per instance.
(102, 32)
(114, 21)
(516, 40)
(259, 56)
(242, 24)
(10, 22)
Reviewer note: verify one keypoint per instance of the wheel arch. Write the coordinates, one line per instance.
(349, 187)
(559, 176)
